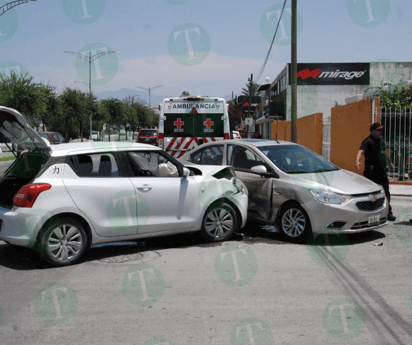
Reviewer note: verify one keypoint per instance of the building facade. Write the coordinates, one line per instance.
(322, 86)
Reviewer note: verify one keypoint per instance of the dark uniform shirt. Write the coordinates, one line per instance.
(374, 153)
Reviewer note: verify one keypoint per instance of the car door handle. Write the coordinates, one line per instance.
(145, 187)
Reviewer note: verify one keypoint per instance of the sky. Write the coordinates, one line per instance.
(204, 47)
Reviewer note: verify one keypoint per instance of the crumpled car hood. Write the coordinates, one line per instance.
(209, 169)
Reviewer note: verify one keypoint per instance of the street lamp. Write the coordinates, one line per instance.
(148, 89)
(89, 58)
(10, 5)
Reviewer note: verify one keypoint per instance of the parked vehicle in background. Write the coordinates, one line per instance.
(297, 190)
(187, 122)
(242, 133)
(95, 135)
(236, 135)
(148, 136)
(60, 200)
(53, 137)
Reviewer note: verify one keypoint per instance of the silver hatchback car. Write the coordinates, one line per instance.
(295, 189)
(60, 200)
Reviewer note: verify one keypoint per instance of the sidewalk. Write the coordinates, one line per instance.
(400, 190)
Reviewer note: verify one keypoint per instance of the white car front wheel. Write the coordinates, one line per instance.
(220, 222)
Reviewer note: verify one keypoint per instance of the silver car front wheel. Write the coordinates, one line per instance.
(294, 224)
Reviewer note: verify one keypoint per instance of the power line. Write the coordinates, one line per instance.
(271, 45)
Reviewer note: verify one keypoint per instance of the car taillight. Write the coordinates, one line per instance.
(28, 194)
(226, 136)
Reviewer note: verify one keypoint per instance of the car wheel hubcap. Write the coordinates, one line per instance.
(65, 242)
(293, 222)
(218, 222)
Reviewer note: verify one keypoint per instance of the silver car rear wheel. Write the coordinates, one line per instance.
(219, 223)
(64, 242)
(294, 224)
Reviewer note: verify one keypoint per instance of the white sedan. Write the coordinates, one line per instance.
(60, 201)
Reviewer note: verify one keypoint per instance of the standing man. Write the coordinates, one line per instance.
(375, 161)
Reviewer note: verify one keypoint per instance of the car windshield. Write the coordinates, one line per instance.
(296, 159)
(147, 132)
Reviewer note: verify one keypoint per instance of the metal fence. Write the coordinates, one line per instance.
(326, 141)
(397, 138)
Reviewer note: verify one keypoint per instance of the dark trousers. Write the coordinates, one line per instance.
(379, 176)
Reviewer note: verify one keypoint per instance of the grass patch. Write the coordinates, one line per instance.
(7, 158)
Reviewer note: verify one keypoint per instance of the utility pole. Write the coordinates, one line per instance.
(250, 101)
(293, 69)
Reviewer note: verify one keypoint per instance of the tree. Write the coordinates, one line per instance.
(185, 93)
(250, 90)
(234, 116)
(36, 101)
(135, 110)
(48, 103)
(399, 99)
(74, 111)
(15, 92)
(116, 110)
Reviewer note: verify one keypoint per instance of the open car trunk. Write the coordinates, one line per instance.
(21, 172)
(32, 151)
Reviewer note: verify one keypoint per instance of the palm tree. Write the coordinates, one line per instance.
(250, 90)
(185, 93)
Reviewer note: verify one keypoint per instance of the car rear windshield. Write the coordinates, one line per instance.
(296, 159)
(148, 132)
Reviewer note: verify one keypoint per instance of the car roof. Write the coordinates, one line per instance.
(92, 146)
(254, 142)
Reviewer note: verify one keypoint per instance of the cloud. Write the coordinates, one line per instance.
(218, 75)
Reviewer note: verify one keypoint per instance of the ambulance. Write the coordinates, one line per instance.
(187, 122)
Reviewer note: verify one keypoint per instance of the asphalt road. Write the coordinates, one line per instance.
(254, 289)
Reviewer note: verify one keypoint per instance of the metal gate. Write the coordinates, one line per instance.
(397, 138)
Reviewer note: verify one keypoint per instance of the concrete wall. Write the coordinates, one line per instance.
(309, 131)
(321, 98)
(350, 126)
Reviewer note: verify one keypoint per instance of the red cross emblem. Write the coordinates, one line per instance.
(208, 123)
(179, 123)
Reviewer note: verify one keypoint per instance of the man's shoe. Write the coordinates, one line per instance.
(391, 217)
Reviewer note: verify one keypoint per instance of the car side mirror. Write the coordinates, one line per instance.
(186, 172)
(259, 169)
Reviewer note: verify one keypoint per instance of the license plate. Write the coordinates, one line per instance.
(375, 219)
(147, 140)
